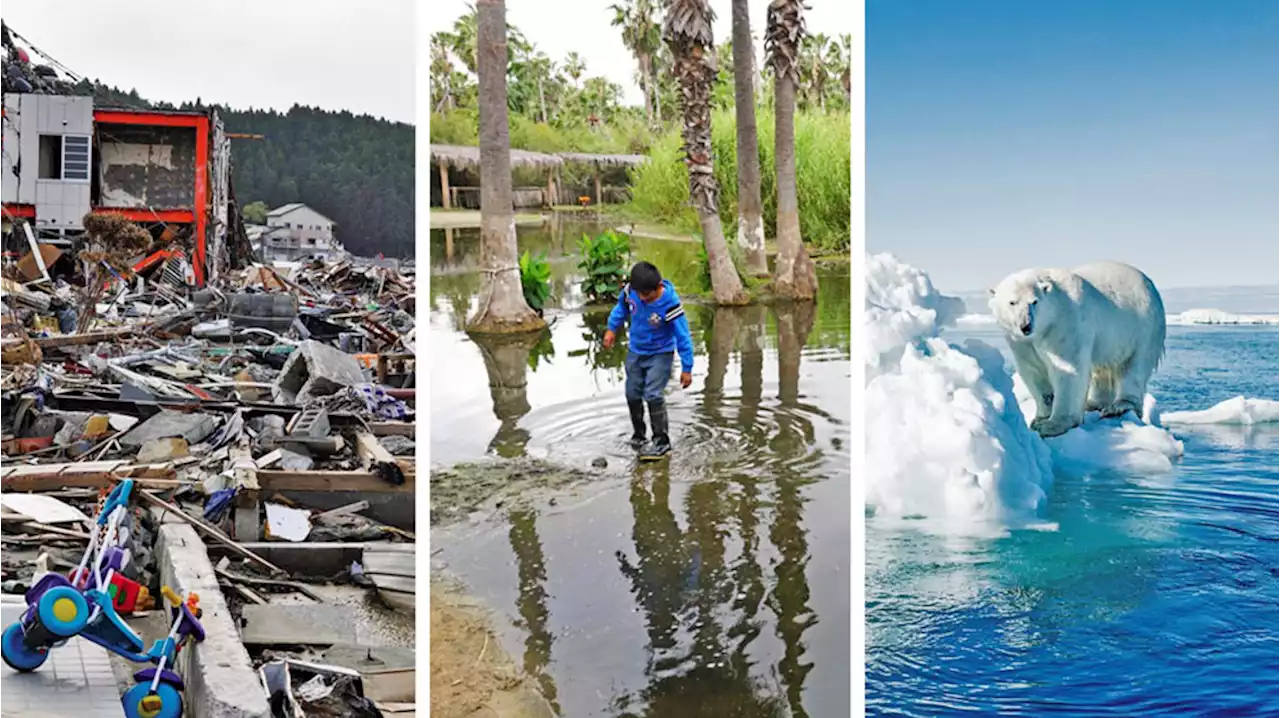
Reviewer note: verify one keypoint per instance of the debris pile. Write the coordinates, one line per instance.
(272, 410)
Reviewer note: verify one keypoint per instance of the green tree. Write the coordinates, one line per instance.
(687, 30)
(255, 212)
(794, 274)
(503, 309)
(750, 208)
(642, 36)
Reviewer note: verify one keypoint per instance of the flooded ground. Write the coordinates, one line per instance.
(713, 584)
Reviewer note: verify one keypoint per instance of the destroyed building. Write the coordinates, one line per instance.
(168, 171)
(264, 414)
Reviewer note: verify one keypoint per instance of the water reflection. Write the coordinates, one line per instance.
(688, 587)
(531, 567)
(684, 580)
(507, 361)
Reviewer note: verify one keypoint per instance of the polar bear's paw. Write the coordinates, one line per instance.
(1120, 408)
(1055, 427)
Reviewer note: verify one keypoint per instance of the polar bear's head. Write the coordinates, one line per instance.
(1019, 303)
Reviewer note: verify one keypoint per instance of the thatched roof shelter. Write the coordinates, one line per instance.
(460, 157)
(602, 161)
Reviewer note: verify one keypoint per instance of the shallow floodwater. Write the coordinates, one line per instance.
(1155, 595)
(712, 584)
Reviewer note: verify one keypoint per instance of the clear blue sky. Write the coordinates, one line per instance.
(1004, 134)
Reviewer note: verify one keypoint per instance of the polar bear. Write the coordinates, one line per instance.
(1087, 338)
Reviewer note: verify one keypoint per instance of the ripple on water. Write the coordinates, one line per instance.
(1156, 595)
(714, 583)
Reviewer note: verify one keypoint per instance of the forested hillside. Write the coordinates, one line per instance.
(355, 169)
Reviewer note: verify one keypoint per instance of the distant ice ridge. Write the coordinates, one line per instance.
(946, 436)
(1189, 317)
(1232, 412)
(1217, 316)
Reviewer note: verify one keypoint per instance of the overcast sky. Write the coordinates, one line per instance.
(558, 27)
(333, 54)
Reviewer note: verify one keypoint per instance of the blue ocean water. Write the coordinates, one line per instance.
(1155, 595)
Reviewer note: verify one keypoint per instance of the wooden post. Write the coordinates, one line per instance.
(448, 243)
(599, 196)
(551, 188)
(444, 185)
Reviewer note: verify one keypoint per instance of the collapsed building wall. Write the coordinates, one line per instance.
(146, 167)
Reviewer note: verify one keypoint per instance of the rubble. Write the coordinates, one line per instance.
(271, 406)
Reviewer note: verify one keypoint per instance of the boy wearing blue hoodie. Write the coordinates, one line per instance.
(658, 329)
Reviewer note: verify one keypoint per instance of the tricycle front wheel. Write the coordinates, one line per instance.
(16, 654)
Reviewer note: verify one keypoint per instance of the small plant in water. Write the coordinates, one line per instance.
(604, 261)
(535, 279)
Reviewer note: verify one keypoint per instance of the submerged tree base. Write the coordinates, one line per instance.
(494, 326)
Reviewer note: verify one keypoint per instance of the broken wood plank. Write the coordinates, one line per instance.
(210, 531)
(69, 340)
(393, 428)
(96, 480)
(59, 531)
(370, 451)
(302, 588)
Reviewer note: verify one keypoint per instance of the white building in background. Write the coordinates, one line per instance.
(295, 231)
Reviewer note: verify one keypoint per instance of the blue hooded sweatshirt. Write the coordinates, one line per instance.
(657, 328)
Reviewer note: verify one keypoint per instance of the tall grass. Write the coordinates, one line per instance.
(660, 188)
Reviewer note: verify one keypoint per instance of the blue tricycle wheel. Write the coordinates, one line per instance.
(140, 702)
(63, 611)
(16, 655)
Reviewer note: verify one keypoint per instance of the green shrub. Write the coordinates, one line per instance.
(660, 187)
(459, 127)
(535, 279)
(603, 264)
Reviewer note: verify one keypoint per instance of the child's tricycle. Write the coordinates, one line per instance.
(60, 608)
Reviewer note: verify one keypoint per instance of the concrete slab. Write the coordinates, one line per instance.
(193, 427)
(221, 682)
(314, 370)
(75, 682)
(296, 625)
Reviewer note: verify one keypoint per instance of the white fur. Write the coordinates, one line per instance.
(1096, 334)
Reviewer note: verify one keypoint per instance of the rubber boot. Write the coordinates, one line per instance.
(661, 444)
(637, 422)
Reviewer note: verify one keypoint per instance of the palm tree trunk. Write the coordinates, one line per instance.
(794, 275)
(657, 98)
(687, 30)
(750, 210)
(542, 101)
(503, 309)
(646, 79)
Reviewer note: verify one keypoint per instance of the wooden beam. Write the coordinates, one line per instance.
(247, 520)
(445, 200)
(393, 428)
(210, 531)
(346, 481)
(68, 340)
(89, 475)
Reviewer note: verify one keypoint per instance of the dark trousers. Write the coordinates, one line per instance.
(647, 376)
